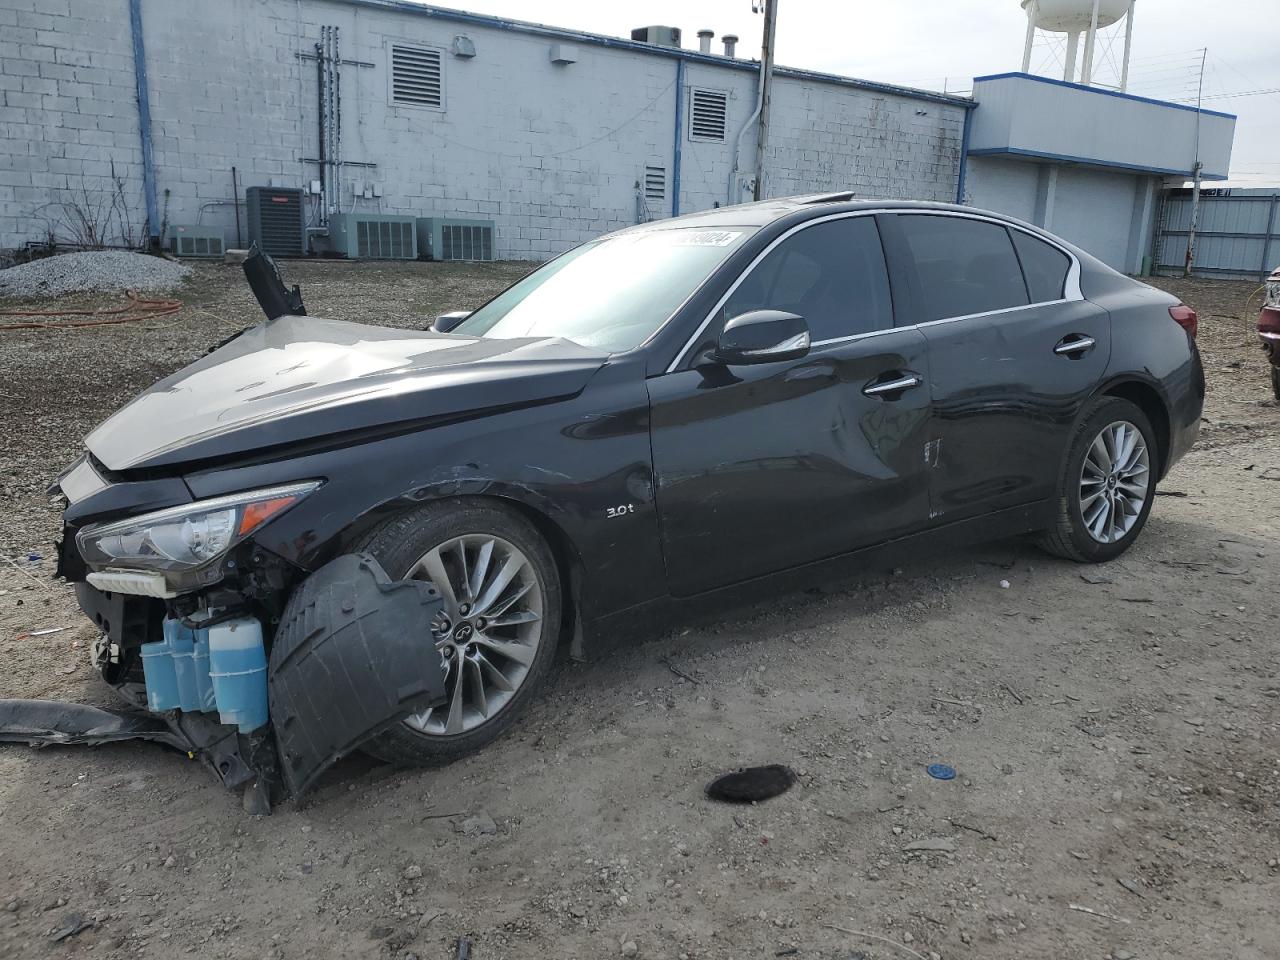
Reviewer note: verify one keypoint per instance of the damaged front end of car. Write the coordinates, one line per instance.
(263, 672)
(214, 525)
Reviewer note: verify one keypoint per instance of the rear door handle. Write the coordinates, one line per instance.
(1074, 345)
(897, 385)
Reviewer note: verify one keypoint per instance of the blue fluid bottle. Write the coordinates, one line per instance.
(238, 669)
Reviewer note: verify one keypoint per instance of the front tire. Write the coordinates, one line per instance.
(1107, 483)
(1275, 382)
(498, 629)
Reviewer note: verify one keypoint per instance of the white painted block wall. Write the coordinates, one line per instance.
(1107, 213)
(68, 115)
(550, 152)
(1009, 186)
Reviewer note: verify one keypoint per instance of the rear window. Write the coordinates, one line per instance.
(965, 266)
(1044, 266)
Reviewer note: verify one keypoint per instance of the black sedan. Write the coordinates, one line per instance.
(387, 532)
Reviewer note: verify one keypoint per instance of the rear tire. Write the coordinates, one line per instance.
(1106, 485)
(1275, 382)
(484, 536)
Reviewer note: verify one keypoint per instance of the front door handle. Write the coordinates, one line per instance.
(881, 388)
(1074, 345)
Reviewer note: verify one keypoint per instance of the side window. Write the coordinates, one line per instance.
(833, 274)
(965, 266)
(1045, 267)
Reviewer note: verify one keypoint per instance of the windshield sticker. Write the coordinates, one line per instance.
(705, 238)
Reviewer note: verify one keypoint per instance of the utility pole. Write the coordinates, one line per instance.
(766, 91)
(1190, 263)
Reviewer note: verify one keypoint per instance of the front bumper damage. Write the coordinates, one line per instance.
(349, 659)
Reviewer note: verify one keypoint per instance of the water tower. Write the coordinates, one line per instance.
(1090, 18)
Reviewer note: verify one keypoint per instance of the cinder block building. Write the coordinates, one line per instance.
(159, 114)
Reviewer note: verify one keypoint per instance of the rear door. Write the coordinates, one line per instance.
(1014, 350)
(763, 467)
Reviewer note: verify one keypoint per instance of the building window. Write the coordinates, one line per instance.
(417, 78)
(708, 115)
(655, 183)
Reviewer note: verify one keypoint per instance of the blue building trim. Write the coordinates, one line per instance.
(617, 43)
(964, 155)
(144, 118)
(1105, 93)
(1091, 162)
(678, 143)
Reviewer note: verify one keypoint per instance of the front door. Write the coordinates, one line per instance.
(763, 467)
(1012, 353)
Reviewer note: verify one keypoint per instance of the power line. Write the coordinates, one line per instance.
(1234, 94)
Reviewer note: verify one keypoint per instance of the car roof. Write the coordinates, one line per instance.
(784, 212)
(764, 212)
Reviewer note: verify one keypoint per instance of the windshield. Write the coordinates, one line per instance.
(612, 293)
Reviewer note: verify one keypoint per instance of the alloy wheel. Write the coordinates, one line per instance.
(488, 633)
(1114, 481)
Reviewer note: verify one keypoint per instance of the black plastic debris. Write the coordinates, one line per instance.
(50, 722)
(751, 784)
(273, 296)
(72, 924)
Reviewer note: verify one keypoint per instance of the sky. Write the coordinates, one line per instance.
(945, 43)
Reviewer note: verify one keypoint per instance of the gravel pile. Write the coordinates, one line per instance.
(90, 270)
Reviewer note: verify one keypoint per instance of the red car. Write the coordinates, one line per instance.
(1269, 328)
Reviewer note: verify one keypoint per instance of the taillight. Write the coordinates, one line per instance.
(1186, 317)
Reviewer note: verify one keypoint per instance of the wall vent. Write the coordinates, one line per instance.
(276, 221)
(709, 115)
(655, 183)
(195, 241)
(370, 236)
(416, 76)
(441, 238)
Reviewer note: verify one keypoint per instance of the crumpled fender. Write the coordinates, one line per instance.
(352, 656)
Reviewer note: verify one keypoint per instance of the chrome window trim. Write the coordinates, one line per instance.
(934, 323)
(1071, 290)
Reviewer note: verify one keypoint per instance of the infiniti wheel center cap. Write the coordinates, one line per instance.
(463, 633)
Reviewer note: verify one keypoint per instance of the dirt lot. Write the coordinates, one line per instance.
(1116, 732)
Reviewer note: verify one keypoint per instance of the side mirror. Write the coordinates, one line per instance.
(762, 336)
(447, 321)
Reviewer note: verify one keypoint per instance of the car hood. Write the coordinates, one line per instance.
(295, 379)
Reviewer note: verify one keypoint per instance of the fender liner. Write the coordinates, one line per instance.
(352, 656)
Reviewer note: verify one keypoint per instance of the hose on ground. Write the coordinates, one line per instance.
(135, 308)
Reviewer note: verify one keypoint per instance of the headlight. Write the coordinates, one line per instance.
(187, 537)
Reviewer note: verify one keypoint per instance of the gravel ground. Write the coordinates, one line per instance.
(92, 270)
(1116, 732)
